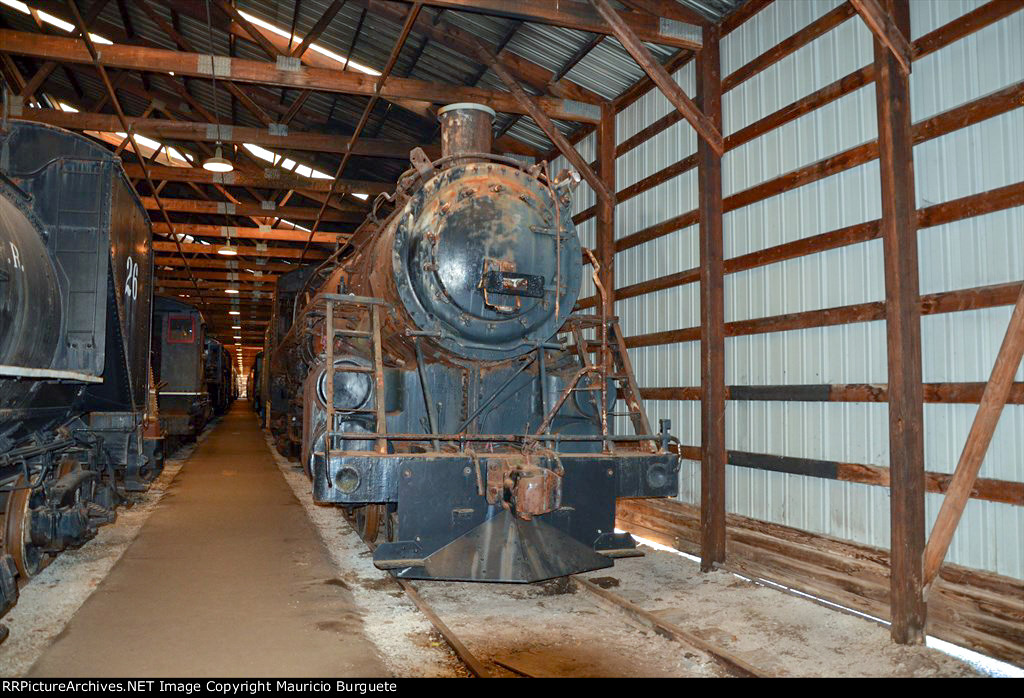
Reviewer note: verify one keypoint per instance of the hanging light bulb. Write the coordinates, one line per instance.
(227, 249)
(218, 163)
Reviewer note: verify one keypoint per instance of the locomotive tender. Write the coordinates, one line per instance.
(76, 271)
(179, 369)
(452, 402)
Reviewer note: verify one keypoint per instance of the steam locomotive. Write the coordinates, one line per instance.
(76, 282)
(440, 388)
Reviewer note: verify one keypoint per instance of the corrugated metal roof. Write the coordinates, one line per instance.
(605, 71)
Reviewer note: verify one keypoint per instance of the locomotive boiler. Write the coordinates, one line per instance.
(76, 270)
(453, 403)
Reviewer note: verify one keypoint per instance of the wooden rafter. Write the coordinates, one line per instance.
(242, 250)
(670, 9)
(241, 232)
(457, 39)
(314, 33)
(298, 213)
(225, 133)
(382, 80)
(530, 106)
(240, 70)
(274, 180)
(574, 14)
(704, 127)
(36, 81)
(94, 57)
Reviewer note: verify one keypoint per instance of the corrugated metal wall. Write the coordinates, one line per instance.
(957, 347)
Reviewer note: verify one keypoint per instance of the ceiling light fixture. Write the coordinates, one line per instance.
(233, 312)
(227, 249)
(218, 163)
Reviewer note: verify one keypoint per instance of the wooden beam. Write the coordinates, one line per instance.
(944, 302)
(225, 133)
(298, 213)
(221, 262)
(231, 231)
(606, 208)
(531, 106)
(705, 127)
(886, 32)
(572, 14)
(243, 250)
(962, 393)
(712, 310)
(958, 117)
(969, 206)
(273, 178)
(162, 273)
(669, 9)
(903, 331)
(997, 390)
(198, 65)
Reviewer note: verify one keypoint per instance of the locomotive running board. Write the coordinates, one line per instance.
(502, 549)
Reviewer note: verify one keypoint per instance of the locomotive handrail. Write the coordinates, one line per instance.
(322, 298)
(513, 438)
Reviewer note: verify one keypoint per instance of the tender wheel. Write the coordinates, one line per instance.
(17, 534)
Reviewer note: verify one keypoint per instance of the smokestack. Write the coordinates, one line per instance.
(465, 128)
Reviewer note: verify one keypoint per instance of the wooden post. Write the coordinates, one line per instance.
(712, 311)
(903, 326)
(997, 390)
(605, 207)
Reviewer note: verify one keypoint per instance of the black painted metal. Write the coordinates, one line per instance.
(477, 269)
(76, 284)
(179, 354)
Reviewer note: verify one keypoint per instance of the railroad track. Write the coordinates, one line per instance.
(727, 662)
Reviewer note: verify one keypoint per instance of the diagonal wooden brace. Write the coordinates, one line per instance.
(704, 127)
(885, 30)
(530, 105)
(997, 390)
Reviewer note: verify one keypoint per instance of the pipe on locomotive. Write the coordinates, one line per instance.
(466, 128)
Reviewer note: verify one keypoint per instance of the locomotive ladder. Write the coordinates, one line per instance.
(613, 355)
(372, 306)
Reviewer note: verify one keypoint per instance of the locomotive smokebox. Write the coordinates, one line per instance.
(466, 129)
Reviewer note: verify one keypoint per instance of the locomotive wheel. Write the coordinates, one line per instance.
(17, 536)
(366, 520)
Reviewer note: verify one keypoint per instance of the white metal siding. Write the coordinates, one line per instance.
(957, 347)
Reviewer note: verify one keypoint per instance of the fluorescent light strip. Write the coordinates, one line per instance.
(51, 20)
(313, 47)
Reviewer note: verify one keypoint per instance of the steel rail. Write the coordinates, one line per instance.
(726, 660)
